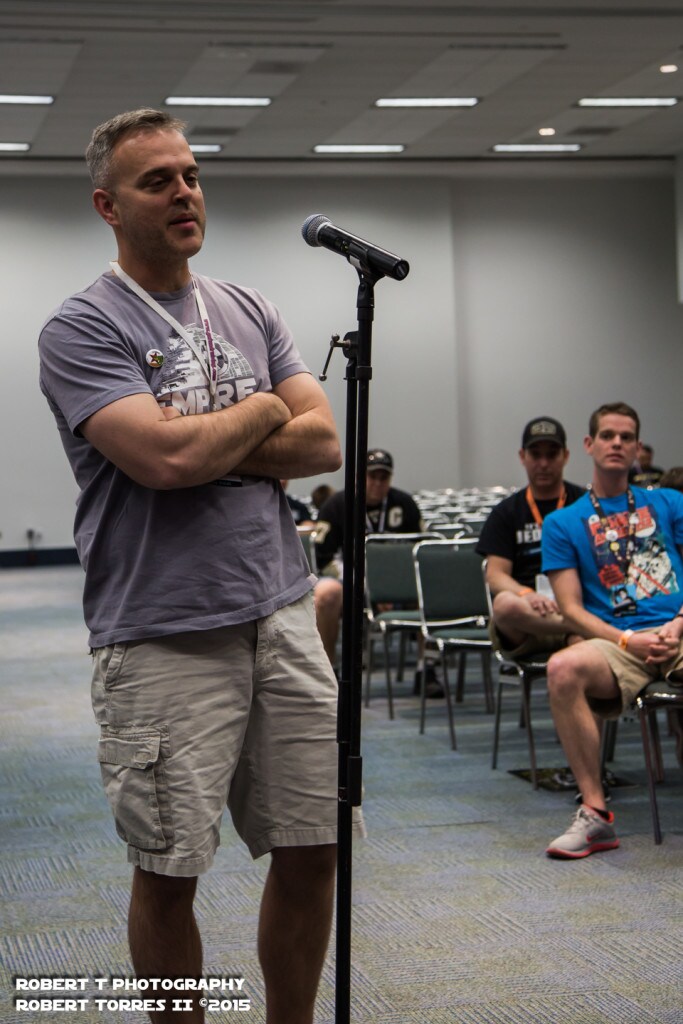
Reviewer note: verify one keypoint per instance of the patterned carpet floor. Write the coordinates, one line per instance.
(458, 915)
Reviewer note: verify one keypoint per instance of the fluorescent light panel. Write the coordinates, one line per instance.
(426, 101)
(205, 147)
(628, 101)
(358, 149)
(31, 101)
(539, 147)
(217, 101)
(14, 147)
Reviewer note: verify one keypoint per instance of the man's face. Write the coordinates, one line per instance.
(644, 458)
(377, 485)
(544, 463)
(156, 205)
(615, 445)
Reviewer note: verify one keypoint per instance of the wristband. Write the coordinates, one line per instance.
(679, 616)
(624, 638)
(525, 590)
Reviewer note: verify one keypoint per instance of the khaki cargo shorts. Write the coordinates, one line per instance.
(632, 675)
(243, 716)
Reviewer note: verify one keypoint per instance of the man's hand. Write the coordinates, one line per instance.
(654, 648)
(540, 604)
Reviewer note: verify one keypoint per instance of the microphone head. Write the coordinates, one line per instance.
(312, 226)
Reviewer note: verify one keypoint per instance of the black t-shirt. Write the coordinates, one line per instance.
(300, 511)
(511, 532)
(400, 515)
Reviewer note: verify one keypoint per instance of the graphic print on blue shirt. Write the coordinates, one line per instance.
(650, 571)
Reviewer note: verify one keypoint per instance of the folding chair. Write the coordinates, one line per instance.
(307, 538)
(520, 671)
(390, 580)
(453, 612)
(646, 705)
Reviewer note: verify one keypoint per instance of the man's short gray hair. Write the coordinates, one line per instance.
(98, 155)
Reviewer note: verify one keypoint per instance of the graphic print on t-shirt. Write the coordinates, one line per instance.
(650, 572)
(183, 381)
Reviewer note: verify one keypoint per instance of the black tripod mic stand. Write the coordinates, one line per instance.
(357, 347)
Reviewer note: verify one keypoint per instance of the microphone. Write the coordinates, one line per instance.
(318, 230)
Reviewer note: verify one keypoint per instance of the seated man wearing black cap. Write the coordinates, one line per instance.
(388, 511)
(527, 618)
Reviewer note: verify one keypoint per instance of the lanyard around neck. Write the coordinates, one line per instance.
(531, 502)
(210, 365)
(623, 560)
(382, 520)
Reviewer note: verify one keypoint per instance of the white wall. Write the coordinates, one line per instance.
(565, 299)
(523, 297)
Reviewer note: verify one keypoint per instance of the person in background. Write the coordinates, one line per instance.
(525, 616)
(320, 494)
(301, 514)
(643, 473)
(389, 510)
(616, 570)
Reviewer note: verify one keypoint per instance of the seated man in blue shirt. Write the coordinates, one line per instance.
(614, 563)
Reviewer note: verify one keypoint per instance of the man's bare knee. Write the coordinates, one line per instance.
(163, 894)
(328, 595)
(304, 866)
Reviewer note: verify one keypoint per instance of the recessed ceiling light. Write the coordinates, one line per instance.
(217, 101)
(546, 131)
(14, 147)
(32, 101)
(205, 147)
(358, 149)
(426, 101)
(668, 69)
(628, 101)
(538, 147)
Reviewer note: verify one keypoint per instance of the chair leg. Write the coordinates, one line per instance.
(608, 739)
(369, 646)
(488, 684)
(387, 669)
(402, 637)
(423, 692)
(655, 745)
(447, 692)
(460, 683)
(526, 703)
(496, 724)
(645, 732)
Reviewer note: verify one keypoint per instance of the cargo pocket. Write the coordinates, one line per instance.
(131, 761)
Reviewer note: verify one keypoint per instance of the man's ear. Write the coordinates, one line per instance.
(103, 201)
(588, 443)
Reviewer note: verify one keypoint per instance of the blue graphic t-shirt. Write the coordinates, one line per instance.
(574, 538)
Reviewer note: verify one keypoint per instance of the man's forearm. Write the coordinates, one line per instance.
(587, 625)
(304, 446)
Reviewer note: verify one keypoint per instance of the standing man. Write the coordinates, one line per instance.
(181, 402)
(614, 562)
(388, 511)
(510, 540)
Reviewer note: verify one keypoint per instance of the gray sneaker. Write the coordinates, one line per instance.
(587, 833)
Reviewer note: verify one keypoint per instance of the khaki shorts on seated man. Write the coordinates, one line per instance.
(525, 619)
(614, 562)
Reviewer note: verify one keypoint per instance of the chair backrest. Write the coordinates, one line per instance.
(389, 568)
(449, 581)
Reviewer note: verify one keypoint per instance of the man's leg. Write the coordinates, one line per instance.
(516, 618)
(294, 929)
(164, 938)
(573, 675)
(328, 596)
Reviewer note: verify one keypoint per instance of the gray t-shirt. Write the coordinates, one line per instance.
(160, 562)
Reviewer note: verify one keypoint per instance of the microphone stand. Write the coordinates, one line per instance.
(357, 347)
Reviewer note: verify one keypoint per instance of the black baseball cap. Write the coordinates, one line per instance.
(544, 428)
(378, 458)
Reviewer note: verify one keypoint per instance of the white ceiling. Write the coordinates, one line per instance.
(325, 62)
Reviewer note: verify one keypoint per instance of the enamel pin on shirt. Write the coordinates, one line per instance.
(209, 366)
